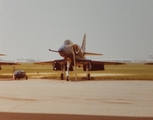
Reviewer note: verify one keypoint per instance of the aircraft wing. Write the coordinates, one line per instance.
(49, 62)
(8, 63)
(148, 63)
(82, 61)
(109, 63)
(44, 62)
(95, 65)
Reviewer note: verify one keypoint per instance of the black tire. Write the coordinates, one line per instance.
(26, 77)
(67, 78)
(88, 76)
(62, 76)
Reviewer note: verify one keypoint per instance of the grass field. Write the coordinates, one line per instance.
(133, 71)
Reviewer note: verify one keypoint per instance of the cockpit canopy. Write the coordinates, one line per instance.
(68, 42)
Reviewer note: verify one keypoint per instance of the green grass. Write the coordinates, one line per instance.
(133, 71)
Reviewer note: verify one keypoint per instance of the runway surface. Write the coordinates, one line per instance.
(62, 100)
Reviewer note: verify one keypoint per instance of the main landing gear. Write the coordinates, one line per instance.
(88, 76)
(87, 71)
(62, 76)
(66, 73)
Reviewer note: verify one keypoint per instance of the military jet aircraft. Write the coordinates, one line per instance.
(73, 56)
(7, 63)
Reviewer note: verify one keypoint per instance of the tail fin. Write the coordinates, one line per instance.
(83, 46)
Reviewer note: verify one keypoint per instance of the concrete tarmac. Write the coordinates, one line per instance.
(62, 100)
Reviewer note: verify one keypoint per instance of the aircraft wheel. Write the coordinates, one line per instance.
(67, 78)
(88, 76)
(62, 76)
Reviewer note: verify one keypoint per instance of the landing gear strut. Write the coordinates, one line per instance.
(63, 71)
(67, 72)
(88, 76)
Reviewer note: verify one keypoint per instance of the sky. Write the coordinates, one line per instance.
(119, 29)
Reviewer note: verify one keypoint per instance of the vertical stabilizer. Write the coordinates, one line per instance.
(83, 47)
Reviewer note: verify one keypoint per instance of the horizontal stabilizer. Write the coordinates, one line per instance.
(92, 54)
(53, 50)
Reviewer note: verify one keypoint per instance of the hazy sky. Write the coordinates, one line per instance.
(119, 29)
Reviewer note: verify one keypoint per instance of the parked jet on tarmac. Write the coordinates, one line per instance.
(6, 63)
(75, 56)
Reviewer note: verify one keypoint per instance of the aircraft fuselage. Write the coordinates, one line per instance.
(68, 49)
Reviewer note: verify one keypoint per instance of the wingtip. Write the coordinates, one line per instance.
(2, 54)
